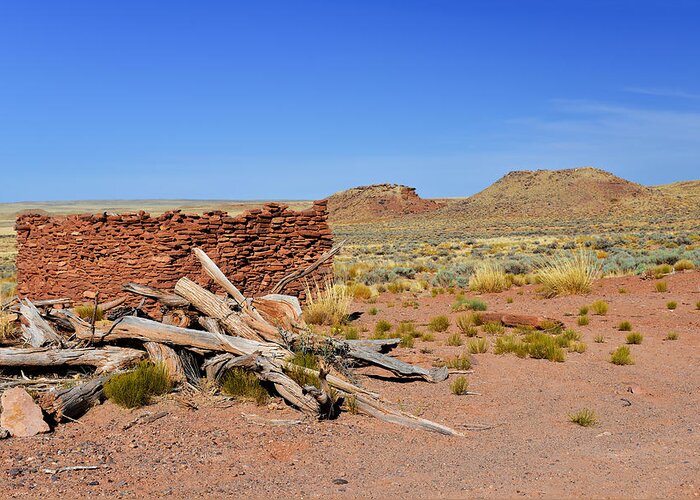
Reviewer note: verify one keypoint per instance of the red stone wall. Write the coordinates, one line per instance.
(66, 256)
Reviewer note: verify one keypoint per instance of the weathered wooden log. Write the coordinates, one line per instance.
(39, 332)
(380, 345)
(131, 327)
(293, 276)
(378, 410)
(216, 366)
(515, 320)
(324, 397)
(165, 298)
(210, 325)
(213, 306)
(111, 304)
(248, 314)
(283, 311)
(52, 302)
(74, 402)
(395, 366)
(177, 317)
(105, 359)
(161, 353)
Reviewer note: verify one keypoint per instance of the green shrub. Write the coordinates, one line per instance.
(459, 363)
(478, 346)
(427, 337)
(672, 336)
(661, 286)
(372, 311)
(463, 304)
(351, 333)
(621, 356)
(439, 323)
(599, 307)
(582, 320)
(697, 305)
(509, 300)
(543, 346)
(625, 326)
(634, 338)
(459, 386)
(305, 359)
(242, 384)
(584, 417)
(407, 340)
(382, 327)
(671, 305)
(135, 388)
(494, 328)
(578, 347)
(583, 310)
(407, 328)
(466, 325)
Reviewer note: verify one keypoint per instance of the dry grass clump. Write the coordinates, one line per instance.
(135, 388)
(582, 320)
(464, 304)
(478, 346)
(461, 362)
(625, 326)
(327, 306)
(684, 265)
(465, 323)
(85, 311)
(459, 386)
(634, 338)
(661, 286)
(621, 356)
(242, 384)
(537, 345)
(8, 329)
(584, 417)
(489, 278)
(360, 291)
(569, 274)
(381, 329)
(672, 336)
(454, 340)
(599, 307)
(439, 323)
(494, 328)
(671, 305)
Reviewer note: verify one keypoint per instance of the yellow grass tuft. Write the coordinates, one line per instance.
(327, 306)
(571, 274)
(489, 278)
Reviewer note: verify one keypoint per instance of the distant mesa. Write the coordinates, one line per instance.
(377, 202)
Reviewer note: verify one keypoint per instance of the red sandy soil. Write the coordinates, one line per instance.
(646, 444)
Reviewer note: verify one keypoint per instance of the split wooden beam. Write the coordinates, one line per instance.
(105, 359)
(38, 332)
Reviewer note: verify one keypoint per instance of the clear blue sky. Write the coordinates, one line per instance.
(299, 99)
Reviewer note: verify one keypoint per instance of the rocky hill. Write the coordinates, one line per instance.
(377, 202)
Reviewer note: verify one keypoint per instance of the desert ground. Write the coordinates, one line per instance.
(405, 264)
(646, 442)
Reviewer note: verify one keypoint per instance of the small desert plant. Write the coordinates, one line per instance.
(439, 323)
(360, 291)
(569, 274)
(634, 338)
(382, 327)
(454, 340)
(329, 306)
(672, 336)
(8, 328)
(85, 311)
(582, 320)
(621, 290)
(621, 356)
(543, 346)
(478, 346)
(684, 265)
(459, 386)
(407, 341)
(463, 304)
(509, 300)
(584, 418)
(427, 337)
(661, 286)
(459, 363)
(305, 359)
(242, 384)
(351, 333)
(578, 347)
(350, 404)
(489, 278)
(600, 307)
(493, 328)
(598, 339)
(398, 286)
(135, 388)
(583, 310)
(671, 305)
(625, 326)
(407, 328)
(372, 311)
(697, 305)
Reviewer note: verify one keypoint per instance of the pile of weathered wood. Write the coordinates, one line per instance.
(202, 334)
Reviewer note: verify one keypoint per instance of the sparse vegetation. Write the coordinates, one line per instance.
(684, 265)
(459, 386)
(582, 320)
(85, 311)
(135, 388)
(466, 325)
(599, 307)
(459, 363)
(382, 328)
(407, 341)
(584, 417)
(661, 286)
(625, 326)
(583, 310)
(439, 324)
(464, 304)
(454, 340)
(634, 338)
(599, 339)
(372, 311)
(478, 346)
(671, 305)
(672, 336)
(327, 306)
(493, 328)
(242, 384)
(621, 356)
(570, 274)
(489, 278)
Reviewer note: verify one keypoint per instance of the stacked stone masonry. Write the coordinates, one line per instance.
(67, 256)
